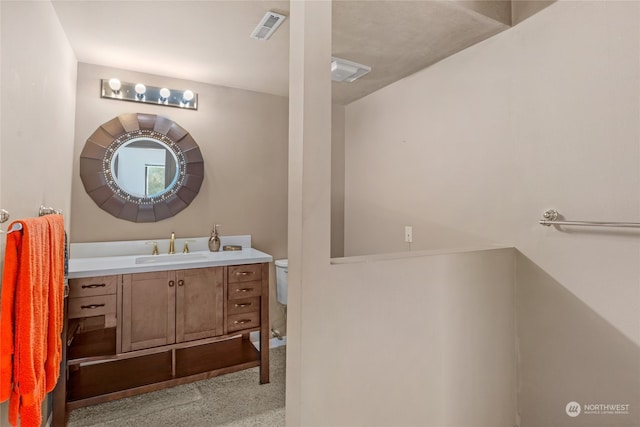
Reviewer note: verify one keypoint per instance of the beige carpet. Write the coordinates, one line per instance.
(232, 400)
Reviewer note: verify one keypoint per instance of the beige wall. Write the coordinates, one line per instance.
(382, 341)
(243, 138)
(476, 147)
(578, 150)
(567, 352)
(337, 181)
(431, 155)
(38, 72)
(38, 107)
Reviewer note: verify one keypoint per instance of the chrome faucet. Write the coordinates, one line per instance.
(172, 243)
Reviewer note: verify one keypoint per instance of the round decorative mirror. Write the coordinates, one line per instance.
(141, 167)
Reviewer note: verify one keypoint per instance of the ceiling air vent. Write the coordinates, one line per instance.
(269, 23)
(347, 71)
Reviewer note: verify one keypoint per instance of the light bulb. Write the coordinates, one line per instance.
(187, 95)
(140, 89)
(115, 85)
(164, 95)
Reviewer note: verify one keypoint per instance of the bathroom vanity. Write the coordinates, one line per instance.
(138, 323)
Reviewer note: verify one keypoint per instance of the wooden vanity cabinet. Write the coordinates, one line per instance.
(167, 307)
(93, 296)
(199, 303)
(134, 333)
(243, 297)
(92, 316)
(148, 310)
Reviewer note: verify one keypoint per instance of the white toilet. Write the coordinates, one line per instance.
(282, 283)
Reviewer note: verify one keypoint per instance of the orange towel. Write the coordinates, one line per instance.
(31, 316)
(7, 313)
(56, 300)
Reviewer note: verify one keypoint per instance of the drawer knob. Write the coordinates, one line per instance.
(242, 305)
(242, 322)
(94, 285)
(180, 282)
(244, 290)
(243, 273)
(172, 283)
(91, 306)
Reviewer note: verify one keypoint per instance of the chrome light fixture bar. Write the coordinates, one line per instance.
(138, 92)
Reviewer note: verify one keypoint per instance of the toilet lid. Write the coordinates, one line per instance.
(282, 263)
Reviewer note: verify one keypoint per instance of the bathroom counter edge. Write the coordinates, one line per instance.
(105, 266)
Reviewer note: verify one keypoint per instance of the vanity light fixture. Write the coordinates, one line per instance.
(164, 95)
(187, 97)
(138, 92)
(115, 86)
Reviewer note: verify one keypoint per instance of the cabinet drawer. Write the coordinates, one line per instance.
(92, 306)
(244, 290)
(240, 321)
(245, 305)
(90, 286)
(245, 273)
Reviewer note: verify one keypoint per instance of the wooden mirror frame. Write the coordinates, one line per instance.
(95, 167)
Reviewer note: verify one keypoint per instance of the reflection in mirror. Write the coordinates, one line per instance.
(144, 167)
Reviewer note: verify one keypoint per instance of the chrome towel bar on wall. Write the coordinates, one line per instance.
(48, 211)
(4, 216)
(550, 217)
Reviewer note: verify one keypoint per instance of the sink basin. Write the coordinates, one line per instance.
(156, 259)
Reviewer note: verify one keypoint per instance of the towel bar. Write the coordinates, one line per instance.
(551, 218)
(48, 211)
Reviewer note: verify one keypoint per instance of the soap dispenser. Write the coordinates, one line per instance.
(214, 240)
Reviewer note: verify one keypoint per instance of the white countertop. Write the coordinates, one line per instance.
(109, 258)
(105, 266)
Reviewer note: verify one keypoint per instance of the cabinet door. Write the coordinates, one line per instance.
(199, 303)
(148, 310)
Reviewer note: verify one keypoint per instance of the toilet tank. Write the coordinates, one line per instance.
(282, 283)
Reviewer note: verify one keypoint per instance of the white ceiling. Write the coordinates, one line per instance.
(398, 38)
(208, 41)
(204, 41)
